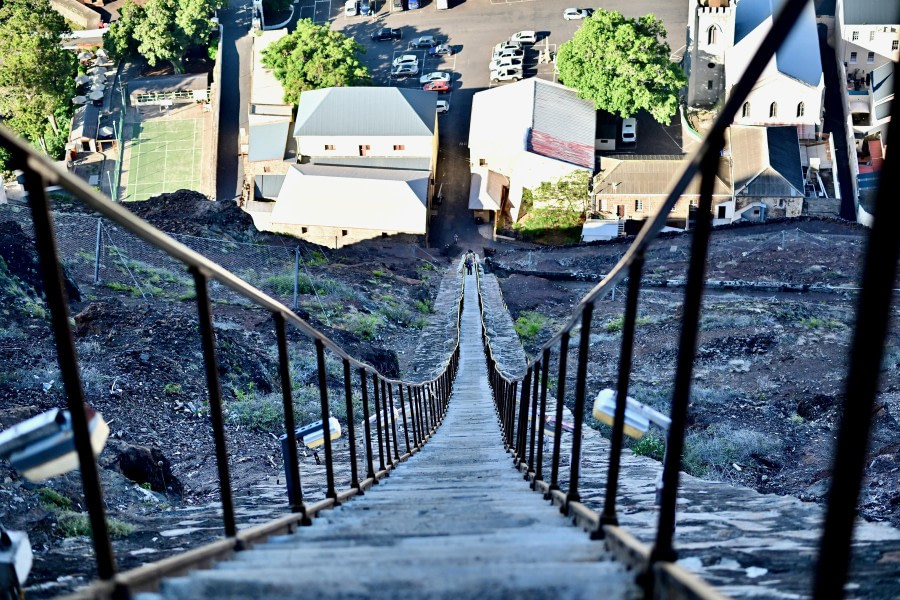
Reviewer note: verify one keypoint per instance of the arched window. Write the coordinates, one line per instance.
(745, 110)
(773, 110)
(801, 109)
(711, 35)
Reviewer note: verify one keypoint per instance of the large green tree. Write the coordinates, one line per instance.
(119, 41)
(37, 77)
(622, 65)
(314, 57)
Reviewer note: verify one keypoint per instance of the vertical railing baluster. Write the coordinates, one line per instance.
(208, 341)
(330, 492)
(560, 402)
(523, 418)
(690, 323)
(511, 401)
(388, 417)
(295, 491)
(580, 385)
(608, 516)
(542, 419)
(435, 416)
(872, 325)
(375, 384)
(422, 433)
(393, 422)
(67, 358)
(367, 427)
(532, 430)
(403, 411)
(425, 417)
(414, 416)
(351, 426)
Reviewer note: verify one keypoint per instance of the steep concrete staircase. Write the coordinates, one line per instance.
(455, 521)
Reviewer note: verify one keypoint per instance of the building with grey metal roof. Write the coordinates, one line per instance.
(366, 111)
(871, 12)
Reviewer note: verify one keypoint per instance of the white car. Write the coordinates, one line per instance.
(629, 131)
(524, 37)
(508, 45)
(506, 61)
(506, 74)
(405, 70)
(351, 8)
(426, 41)
(508, 53)
(574, 14)
(435, 76)
(406, 59)
(443, 106)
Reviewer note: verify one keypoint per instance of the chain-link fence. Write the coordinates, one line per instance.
(96, 252)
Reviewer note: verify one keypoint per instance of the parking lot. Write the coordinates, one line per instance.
(472, 28)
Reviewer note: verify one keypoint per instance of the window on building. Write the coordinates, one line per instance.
(304, 229)
(344, 231)
(711, 35)
(853, 58)
(870, 58)
(745, 110)
(482, 162)
(364, 150)
(709, 84)
(801, 109)
(773, 110)
(895, 44)
(781, 203)
(722, 211)
(638, 205)
(872, 36)
(855, 36)
(329, 147)
(398, 147)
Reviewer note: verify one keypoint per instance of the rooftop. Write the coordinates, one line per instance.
(374, 111)
(871, 12)
(264, 87)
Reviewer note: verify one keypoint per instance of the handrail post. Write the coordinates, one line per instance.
(608, 516)
(295, 491)
(580, 384)
(67, 358)
(690, 323)
(208, 339)
(522, 433)
(542, 419)
(533, 428)
(403, 411)
(98, 249)
(330, 492)
(560, 401)
(393, 423)
(375, 383)
(295, 304)
(351, 427)
(367, 428)
(413, 416)
(388, 417)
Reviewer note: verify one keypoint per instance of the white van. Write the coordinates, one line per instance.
(442, 5)
(629, 131)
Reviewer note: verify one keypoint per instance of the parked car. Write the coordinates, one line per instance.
(386, 33)
(508, 61)
(443, 106)
(524, 37)
(507, 45)
(426, 41)
(365, 9)
(406, 59)
(397, 4)
(506, 74)
(629, 131)
(351, 8)
(440, 87)
(508, 53)
(441, 50)
(435, 76)
(407, 70)
(574, 14)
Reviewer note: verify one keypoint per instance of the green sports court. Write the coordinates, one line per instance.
(165, 156)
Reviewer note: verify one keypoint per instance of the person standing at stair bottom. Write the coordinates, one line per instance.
(470, 262)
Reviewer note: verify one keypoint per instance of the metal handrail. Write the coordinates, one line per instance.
(425, 413)
(513, 404)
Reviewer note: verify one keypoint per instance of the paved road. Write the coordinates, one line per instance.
(455, 521)
(235, 87)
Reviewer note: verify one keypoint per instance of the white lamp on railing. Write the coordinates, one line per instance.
(638, 418)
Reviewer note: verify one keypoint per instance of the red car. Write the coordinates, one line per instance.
(437, 86)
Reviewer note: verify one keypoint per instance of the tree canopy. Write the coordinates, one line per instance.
(314, 57)
(37, 77)
(622, 65)
(161, 30)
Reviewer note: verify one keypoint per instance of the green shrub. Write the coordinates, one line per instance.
(283, 285)
(712, 452)
(53, 500)
(72, 524)
(817, 323)
(650, 445)
(263, 413)
(529, 324)
(172, 389)
(425, 306)
(364, 326)
(617, 324)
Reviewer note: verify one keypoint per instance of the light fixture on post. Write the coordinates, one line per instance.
(638, 418)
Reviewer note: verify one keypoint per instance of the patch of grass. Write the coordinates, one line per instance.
(713, 451)
(617, 324)
(316, 258)
(364, 326)
(650, 445)
(529, 324)
(53, 500)
(72, 524)
(283, 285)
(121, 287)
(817, 323)
(172, 389)
(425, 306)
(261, 413)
